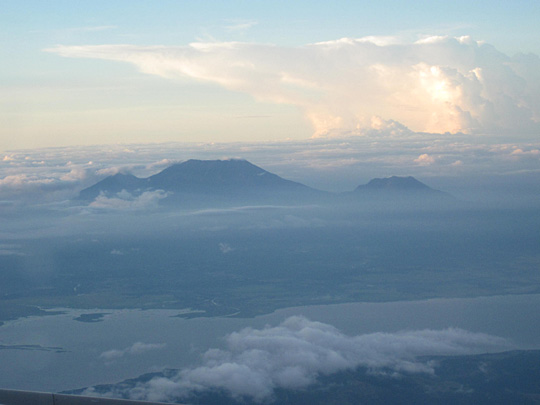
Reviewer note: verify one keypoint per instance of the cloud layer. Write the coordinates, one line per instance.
(135, 349)
(292, 355)
(335, 164)
(438, 84)
(125, 201)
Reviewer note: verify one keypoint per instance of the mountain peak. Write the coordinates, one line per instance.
(232, 178)
(215, 175)
(396, 183)
(402, 190)
(111, 185)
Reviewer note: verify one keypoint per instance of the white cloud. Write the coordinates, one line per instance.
(126, 201)
(521, 152)
(240, 25)
(425, 159)
(94, 28)
(134, 349)
(161, 164)
(225, 248)
(21, 180)
(333, 164)
(294, 353)
(76, 174)
(438, 84)
(8, 249)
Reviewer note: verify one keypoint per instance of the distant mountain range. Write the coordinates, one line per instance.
(197, 181)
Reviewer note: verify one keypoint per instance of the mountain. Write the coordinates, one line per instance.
(400, 193)
(203, 183)
(113, 185)
(395, 183)
(219, 176)
(196, 181)
(399, 186)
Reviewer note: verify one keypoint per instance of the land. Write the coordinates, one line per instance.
(231, 239)
(501, 378)
(91, 318)
(261, 263)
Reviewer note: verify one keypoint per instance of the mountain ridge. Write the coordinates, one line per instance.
(238, 179)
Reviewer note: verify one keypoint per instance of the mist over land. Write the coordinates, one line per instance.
(207, 229)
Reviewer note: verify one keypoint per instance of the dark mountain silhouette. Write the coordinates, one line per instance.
(194, 180)
(208, 182)
(113, 185)
(395, 183)
(402, 187)
(219, 176)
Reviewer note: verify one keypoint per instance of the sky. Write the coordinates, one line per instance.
(124, 72)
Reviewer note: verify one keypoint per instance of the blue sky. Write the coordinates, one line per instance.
(59, 98)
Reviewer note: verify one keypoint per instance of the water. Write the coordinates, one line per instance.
(178, 342)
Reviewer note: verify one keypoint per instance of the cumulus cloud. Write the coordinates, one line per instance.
(521, 152)
(425, 159)
(135, 349)
(292, 355)
(437, 84)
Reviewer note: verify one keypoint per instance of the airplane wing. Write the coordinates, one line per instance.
(16, 397)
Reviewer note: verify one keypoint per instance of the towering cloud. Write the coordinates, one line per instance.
(438, 84)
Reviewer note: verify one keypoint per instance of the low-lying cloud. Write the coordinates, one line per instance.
(437, 84)
(293, 354)
(135, 349)
(332, 164)
(126, 201)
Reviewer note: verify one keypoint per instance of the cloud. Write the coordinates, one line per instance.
(437, 84)
(333, 163)
(8, 249)
(93, 28)
(240, 26)
(161, 164)
(292, 355)
(225, 248)
(425, 159)
(135, 349)
(126, 201)
(521, 152)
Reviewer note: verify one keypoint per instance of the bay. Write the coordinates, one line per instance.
(55, 353)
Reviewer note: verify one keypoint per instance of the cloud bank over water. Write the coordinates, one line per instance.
(292, 355)
(436, 84)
